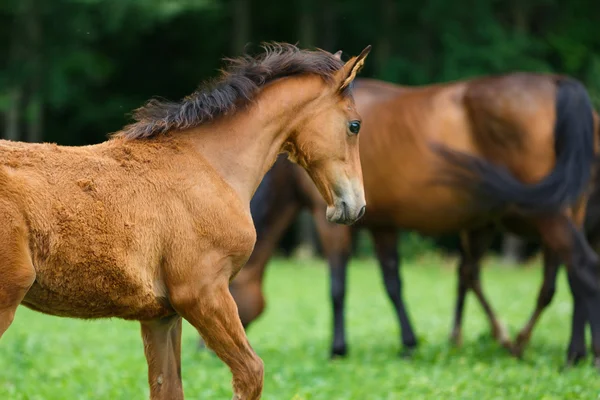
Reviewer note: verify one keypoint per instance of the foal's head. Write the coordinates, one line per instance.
(325, 143)
(321, 129)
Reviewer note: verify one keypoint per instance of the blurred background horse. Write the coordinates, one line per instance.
(507, 119)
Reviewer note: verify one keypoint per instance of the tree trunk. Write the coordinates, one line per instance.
(329, 36)
(306, 28)
(13, 114)
(241, 25)
(384, 43)
(35, 99)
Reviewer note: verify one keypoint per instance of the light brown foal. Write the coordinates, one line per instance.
(153, 224)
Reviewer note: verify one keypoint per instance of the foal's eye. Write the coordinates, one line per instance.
(354, 127)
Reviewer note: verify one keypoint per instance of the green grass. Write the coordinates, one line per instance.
(43, 357)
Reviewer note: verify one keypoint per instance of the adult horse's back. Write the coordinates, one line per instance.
(153, 224)
(513, 150)
(457, 152)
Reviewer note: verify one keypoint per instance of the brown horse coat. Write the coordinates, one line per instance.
(154, 223)
(515, 153)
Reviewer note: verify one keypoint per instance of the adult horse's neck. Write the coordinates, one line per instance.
(243, 147)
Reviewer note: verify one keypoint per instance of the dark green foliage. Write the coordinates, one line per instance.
(72, 70)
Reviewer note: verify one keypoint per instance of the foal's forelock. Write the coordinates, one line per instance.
(238, 85)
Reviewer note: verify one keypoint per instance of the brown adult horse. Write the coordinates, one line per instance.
(522, 151)
(154, 223)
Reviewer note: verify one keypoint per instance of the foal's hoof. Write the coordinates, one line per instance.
(339, 352)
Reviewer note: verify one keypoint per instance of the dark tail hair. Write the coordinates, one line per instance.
(574, 146)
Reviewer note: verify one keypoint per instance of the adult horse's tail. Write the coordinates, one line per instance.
(496, 187)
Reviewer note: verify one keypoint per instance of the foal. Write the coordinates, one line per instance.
(153, 224)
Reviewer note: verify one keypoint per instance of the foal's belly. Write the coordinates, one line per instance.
(95, 296)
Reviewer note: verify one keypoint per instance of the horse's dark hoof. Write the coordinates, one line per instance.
(407, 352)
(573, 358)
(517, 351)
(339, 352)
(596, 363)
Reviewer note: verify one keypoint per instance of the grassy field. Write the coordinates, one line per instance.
(44, 357)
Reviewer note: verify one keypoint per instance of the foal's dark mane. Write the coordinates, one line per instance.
(236, 87)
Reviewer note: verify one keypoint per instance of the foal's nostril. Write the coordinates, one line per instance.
(362, 212)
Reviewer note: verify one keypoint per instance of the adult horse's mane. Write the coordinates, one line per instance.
(235, 88)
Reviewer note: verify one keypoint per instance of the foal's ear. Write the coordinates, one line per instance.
(352, 67)
(338, 54)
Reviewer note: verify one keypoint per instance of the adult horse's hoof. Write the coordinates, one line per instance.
(596, 363)
(339, 352)
(456, 339)
(574, 357)
(502, 336)
(407, 352)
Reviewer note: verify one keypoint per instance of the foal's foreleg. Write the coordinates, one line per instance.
(551, 266)
(16, 275)
(162, 347)
(386, 247)
(210, 308)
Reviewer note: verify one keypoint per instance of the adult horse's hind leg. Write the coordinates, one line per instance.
(561, 235)
(386, 247)
(16, 273)
(204, 300)
(551, 265)
(474, 244)
(162, 346)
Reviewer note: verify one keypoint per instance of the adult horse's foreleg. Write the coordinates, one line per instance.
(473, 246)
(386, 247)
(551, 266)
(337, 242)
(561, 235)
(162, 347)
(209, 307)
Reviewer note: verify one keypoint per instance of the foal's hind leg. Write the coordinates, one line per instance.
(474, 244)
(386, 247)
(551, 266)
(162, 346)
(16, 274)
(202, 297)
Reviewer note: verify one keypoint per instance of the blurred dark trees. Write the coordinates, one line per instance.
(71, 70)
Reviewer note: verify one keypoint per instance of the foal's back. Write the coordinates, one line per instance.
(98, 222)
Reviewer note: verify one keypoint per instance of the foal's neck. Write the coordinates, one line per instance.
(243, 147)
